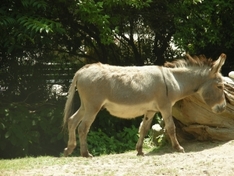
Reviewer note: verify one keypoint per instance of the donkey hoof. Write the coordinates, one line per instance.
(180, 149)
(140, 154)
(87, 155)
(65, 153)
(90, 155)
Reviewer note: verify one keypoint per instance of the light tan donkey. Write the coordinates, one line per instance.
(129, 92)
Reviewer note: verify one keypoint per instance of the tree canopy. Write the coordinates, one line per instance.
(115, 31)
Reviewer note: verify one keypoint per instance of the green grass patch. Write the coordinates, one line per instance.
(33, 162)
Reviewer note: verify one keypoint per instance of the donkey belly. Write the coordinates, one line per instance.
(128, 111)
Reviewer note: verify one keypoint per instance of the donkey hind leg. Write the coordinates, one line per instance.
(143, 129)
(171, 130)
(73, 122)
(83, 129)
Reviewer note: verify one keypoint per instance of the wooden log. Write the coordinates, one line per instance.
(194, 118)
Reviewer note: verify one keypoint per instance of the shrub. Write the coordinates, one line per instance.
(28, 132)
(101, 143)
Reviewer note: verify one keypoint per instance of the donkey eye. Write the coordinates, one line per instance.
(220, 86)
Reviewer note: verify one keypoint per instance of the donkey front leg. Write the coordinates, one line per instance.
(171, 130)
(143, 129)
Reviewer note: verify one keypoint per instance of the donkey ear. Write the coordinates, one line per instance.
(217, 65)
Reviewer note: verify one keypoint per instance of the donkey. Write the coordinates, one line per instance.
(133, 91)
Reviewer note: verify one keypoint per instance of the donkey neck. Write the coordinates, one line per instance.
(188, 80)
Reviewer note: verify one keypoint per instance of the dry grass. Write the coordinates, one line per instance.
(201, 158)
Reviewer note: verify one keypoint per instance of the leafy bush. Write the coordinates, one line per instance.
(109, 135)
(101, 143)
(26, 132)
(115, 143)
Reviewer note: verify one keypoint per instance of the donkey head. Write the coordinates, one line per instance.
(212, 90)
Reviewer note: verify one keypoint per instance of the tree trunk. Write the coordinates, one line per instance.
(194, 119)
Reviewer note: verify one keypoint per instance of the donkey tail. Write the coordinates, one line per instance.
(69, 109)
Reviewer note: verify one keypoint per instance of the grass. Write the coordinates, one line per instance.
(21, 163)
(34, 162)
(24, 166)
(29, 163)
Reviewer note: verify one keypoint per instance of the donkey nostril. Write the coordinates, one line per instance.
(219, 108)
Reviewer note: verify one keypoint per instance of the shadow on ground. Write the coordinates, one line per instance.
(189, 146)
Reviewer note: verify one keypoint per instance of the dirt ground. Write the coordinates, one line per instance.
(201, 158)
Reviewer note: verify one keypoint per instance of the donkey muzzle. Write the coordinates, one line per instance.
(219, 108)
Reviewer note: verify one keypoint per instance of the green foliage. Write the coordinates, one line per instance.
(22, 23)
(92, 13)
(113, 31)
(39, 4)
(15, 129)
(40, 25)
(95, 13)
(81, 30)
(102, 143)
(202, 25)
(26, 132)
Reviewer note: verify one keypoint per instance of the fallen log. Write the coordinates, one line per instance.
(194, 119)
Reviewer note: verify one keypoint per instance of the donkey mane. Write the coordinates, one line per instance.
(189, 61)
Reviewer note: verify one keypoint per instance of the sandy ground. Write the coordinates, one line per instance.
(201, 158)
